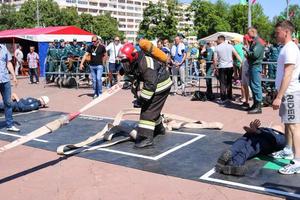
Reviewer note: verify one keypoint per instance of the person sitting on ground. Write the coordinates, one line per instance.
(26, 104)
(256, 140)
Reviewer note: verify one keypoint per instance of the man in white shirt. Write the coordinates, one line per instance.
(223, 66)
(288, 97)
(114, 64)
(19, 59)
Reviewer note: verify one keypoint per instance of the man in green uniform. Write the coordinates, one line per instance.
(51, 60)
(255, 55)
(272, 57)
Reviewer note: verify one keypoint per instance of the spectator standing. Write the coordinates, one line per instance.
(97, 52)
(114, 64)
(19, 56)
(255, 56)
(5, 87)
(238, 46)
(209, 71)
(272, 57)
(178, 56)
(223, 63)
(245, 75)
(194, 58)
(288, 97)
(33, 61)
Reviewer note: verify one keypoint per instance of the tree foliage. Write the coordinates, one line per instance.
(159, 21)
(294, 11)
(7, 16)
(220, 16)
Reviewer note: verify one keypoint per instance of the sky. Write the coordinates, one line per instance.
(268, 5)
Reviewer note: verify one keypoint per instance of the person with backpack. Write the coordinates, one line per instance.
(154, 92)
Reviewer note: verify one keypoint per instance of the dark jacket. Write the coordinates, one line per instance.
(153, 74)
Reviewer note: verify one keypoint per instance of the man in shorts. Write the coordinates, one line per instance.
(288, 95)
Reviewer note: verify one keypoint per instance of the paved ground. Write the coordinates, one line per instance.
(29, 173)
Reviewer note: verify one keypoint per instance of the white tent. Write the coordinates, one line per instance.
(228, 36)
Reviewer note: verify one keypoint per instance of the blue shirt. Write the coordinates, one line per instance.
(178, 58)
(4, 58)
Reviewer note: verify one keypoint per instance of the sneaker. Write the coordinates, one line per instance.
(13, 129)
(291, 168)
(95, 96)
(283, 154)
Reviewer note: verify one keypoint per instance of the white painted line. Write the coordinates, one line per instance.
(158, 156)
(25, 113)
(178, 147)
(207, 177)
(127, 154)
(19, 136)
(186, 133)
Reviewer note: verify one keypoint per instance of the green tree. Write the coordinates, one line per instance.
(261, 22)
(207, 17)
(86, 22)
(69, 16)
(159, 21)
(107, 27)
(238, 18)
(294, 11)
(49, 14)
(8, 16)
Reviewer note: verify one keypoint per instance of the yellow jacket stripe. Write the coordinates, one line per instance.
(150, 63)
(146, 94)
(147, 124)
(164, 85)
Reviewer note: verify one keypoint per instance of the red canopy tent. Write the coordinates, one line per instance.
(40, 37)
(48, 34)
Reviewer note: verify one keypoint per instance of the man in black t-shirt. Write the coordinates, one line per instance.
(97, 54)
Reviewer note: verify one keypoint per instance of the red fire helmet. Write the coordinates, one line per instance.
(128, 52)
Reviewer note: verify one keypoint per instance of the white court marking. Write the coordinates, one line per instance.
(207, 177)
(19, 136)
(157, 157)
(17, 114)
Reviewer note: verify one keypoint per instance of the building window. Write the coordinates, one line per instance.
(130, 2)
(93, 10)
(129, 26)
(122, 7)
(82, 10)
(82, 2)
(122, 19)
(130, 20)
(122, 13)
(93, 4)
(121, 1)
(103, 4)
(130, 8)
(137, 3)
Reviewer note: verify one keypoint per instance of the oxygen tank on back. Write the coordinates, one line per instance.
(152, 50)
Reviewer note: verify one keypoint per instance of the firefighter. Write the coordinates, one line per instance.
(154, 92)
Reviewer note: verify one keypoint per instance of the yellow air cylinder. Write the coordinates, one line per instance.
(152, 50)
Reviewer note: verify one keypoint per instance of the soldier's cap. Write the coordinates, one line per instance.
(61, 40)
(74, 40)
(56, 40)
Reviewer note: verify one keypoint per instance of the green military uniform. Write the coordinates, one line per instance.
(272, 57)
(255, 57)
